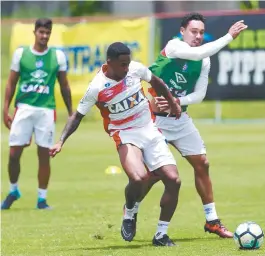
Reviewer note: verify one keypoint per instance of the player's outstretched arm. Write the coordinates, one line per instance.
(70, 127)
(161, 89)
(178, 49)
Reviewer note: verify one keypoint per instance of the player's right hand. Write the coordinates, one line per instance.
(54, 150)
(7, 119)
(237, 28)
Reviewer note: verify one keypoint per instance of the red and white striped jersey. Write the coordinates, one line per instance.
(122, 104)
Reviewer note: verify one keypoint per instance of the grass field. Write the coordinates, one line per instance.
(88, 203)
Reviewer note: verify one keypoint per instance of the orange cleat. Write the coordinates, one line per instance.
(215, 226)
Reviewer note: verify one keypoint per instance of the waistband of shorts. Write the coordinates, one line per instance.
(164, 114)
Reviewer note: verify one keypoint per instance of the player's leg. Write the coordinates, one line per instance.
(193, 149)
(20, 136)
(160, 160)
(44, 129)
(131, 161)
(168, 203)
(204, 188)
(44, 172)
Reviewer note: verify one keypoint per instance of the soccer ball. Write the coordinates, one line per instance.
(249, 235)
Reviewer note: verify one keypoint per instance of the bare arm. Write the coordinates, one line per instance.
(85, 104)
(161, 89)
(65, 91)
(9, 94)
(71, 125)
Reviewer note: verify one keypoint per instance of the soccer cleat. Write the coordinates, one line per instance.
(163, 241)
(135, 220)
(128, 229)
(10, 199)
(215, 226)
(42, 204)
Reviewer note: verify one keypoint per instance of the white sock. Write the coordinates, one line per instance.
(210, 212)
(162, 227)
(13, 187)
(42, 193)
(136, 207)
(128, 214)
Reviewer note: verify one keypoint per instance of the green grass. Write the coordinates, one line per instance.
(88, 203)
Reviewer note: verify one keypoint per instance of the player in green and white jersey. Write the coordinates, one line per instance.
(34, 71)
(184, 66)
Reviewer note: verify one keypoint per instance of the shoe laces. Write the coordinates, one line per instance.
(129, 222)
(218, 222)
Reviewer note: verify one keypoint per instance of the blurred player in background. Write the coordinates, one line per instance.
(118, 93)
(184, 66)
(36, 67)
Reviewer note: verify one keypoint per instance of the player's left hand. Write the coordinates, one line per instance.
(56, 149)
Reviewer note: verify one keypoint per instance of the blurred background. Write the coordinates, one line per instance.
(83, 29)
(231, 121)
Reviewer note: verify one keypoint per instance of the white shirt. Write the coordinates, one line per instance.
(15, 65)
(123, 104)
(200, 88)
(176, 48)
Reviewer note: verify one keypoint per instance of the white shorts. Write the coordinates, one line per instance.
(182, 133)
(156, 152)
(29, 120)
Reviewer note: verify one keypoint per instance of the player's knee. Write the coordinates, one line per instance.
(173, 181)
(137, 179)
(14, 156)
(203, 166)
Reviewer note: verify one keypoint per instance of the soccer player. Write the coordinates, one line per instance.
(184, 67)
(36, 67)
(118, 93)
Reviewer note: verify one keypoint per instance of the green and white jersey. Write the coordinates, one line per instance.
(186, 79)
(38, 73)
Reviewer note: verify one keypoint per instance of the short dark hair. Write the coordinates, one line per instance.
(191, 16)
(43, 22)
(116, 49)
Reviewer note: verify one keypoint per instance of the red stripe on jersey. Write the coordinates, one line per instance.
(152, 114)
(125, 120)
(117, 139)
(163, 52)
(105, 115)
(109, 93)
(152, 92)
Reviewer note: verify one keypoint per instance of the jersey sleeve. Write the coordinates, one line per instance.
(61, 58)
(141, 70)
(200, 88)
(89, 99)
(15, 65)
(176, 48)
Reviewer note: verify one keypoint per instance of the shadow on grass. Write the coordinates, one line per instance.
(144, 243)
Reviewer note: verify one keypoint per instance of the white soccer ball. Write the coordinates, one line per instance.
(249, 235)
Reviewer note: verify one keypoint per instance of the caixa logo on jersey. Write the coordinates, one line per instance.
(127, 103)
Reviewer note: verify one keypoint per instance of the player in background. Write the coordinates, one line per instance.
(184, 66)
(35, 69)
(118, 93)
